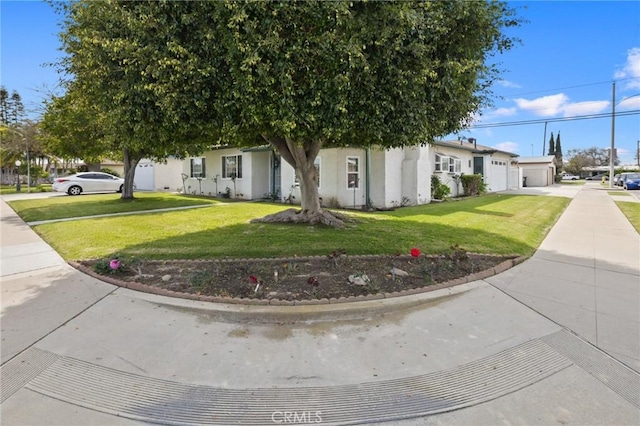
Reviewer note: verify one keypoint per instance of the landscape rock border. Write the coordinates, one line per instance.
(501, 267)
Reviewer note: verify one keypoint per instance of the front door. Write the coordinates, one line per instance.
(478, 166)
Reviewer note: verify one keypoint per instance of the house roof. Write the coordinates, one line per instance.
(538, 159)
(473, 146)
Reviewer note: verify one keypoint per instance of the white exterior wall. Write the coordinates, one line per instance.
(379, 187)
(466, 164)
(390, 177)
(416, 175)
(168, 176)
(213, 169)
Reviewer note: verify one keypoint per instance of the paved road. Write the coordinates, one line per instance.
(553, 340)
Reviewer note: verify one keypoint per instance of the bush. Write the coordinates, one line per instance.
(438, 189)
(473, 185)
(111, 172)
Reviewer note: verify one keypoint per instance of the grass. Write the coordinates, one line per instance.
(88, 205)
(573, 182)
(11, 189)
(632, 212)
(497, 223)
(620, 192)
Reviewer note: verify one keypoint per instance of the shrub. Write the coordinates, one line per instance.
(438, 189)
(473, 185)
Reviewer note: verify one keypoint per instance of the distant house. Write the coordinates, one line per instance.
(539, 171)
(348, 177)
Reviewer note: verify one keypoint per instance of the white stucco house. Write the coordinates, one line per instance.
(538, 171)
(348, 177)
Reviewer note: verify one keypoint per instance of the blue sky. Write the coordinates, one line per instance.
(571, 52)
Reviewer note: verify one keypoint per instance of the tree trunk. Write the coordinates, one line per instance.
(302, 158)
(130, 164)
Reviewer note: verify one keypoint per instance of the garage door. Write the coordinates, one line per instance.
(498, 172)
(144, 178)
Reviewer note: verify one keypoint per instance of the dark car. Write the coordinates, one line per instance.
(631, 181)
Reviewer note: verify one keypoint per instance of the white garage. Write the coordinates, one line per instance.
(498, 179)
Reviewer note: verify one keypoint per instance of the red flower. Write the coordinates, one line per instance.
(253, 279)
(415, 252)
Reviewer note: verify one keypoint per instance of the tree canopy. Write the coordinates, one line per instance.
(297, 75)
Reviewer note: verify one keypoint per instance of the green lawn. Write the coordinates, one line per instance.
(11, 189)
(632, 212)
(89, 205)
(622, 193)
(500, 224)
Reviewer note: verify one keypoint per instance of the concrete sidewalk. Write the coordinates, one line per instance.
(79, 351)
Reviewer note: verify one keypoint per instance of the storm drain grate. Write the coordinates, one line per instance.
(619, 378)
(22, 369)
(162, 401)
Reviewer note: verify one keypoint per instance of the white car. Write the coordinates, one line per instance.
(567, 176)
(88, 182)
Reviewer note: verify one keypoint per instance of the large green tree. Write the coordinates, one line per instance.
(297, 75)
(73, 129)
(115, 103)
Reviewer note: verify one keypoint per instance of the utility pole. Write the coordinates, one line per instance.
(613, 134)
(544, 139)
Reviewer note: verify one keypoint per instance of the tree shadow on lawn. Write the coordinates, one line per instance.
(364, 237)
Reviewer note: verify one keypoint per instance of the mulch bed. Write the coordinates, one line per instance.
(320, 278)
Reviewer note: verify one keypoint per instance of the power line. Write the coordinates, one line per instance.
(553, 120)
(572, 87)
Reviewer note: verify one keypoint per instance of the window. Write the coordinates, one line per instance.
(197, 168)
(353, 172)
(441, 163)
(316, 164)
(455, 165)
(232, 166)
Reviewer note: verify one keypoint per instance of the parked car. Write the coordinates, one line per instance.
(567, 176)
(631, 181)
(622, 177)
(598, 177)
(88, 182)
(616, 179)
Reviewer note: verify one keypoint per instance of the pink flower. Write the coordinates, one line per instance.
(415, 252)
(114, 264)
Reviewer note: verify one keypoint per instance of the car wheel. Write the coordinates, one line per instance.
(574, 179)
(120, 189)
(74, 190)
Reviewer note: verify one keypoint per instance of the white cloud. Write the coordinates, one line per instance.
(544, 106)
(507, 146)
(631, 69)
(503, 112)
(509, 84)
(585, 108)
(496, 113)
(560, 104)
(630, 103)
